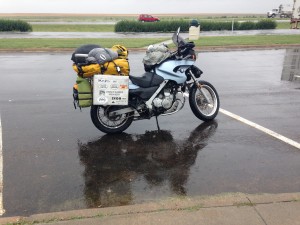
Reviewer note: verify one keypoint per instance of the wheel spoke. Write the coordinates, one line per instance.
(113, 122)
(110, 124)
(204, 107)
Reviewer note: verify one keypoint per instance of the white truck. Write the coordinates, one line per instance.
(283, 11)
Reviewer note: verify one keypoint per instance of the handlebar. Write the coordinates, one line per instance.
(185, 50)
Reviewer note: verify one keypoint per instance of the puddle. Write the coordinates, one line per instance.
(117, 165)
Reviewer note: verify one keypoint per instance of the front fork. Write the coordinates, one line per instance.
(199, 86)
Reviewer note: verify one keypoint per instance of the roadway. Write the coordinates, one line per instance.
(54, 159)
(142, 35)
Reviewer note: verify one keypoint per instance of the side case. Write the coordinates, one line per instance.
(85, 93)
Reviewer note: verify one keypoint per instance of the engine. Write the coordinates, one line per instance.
(164, 100)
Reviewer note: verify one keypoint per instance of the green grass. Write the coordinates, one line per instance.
(72, 28)
(48, 43)
(97, 18)
(259, 40)
(99, 27)
(110, 27)
(36, 43)
(283, 25)
(65, 18)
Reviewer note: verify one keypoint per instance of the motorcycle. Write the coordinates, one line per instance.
(162, 91)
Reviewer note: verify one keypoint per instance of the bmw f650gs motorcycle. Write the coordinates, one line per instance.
(162, 91)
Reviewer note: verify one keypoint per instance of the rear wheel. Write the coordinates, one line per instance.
(107, 123)
(205, 103)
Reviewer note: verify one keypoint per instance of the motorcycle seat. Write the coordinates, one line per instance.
(147, 80)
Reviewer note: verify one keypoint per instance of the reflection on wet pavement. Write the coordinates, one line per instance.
(291, 66)
(114, 162)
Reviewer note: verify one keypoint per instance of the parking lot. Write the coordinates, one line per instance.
(55, 159)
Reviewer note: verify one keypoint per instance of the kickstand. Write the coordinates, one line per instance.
(157, 123)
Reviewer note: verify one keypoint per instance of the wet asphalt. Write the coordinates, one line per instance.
(55, 159)
(142, 35)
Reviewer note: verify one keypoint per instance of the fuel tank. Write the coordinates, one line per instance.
(174, 70)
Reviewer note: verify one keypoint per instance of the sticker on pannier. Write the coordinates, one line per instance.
(110, 90)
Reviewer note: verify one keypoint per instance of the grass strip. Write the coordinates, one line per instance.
(48, 43)
(73, 27)
(283, 25)
(258, 40)
(99, 27)
(52, 43)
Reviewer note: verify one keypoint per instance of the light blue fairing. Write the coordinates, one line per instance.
(166, 70)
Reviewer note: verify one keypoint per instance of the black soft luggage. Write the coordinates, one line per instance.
(84, 49)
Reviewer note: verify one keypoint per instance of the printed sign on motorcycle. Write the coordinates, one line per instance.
(110, 90)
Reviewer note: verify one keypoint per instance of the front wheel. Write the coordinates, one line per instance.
(107, 123)
(204, 103)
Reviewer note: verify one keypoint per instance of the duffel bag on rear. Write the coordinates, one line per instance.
(88, 70)
(116, 67)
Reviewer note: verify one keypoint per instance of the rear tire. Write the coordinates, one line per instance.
(110, 125)
(201, 108)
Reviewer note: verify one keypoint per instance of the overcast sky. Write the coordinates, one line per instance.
(139, 6)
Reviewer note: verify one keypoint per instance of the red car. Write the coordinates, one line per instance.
(147, 18)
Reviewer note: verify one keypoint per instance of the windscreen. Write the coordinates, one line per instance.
(177, 40)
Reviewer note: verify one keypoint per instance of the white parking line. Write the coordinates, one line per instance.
(261, 128)
(1, 172)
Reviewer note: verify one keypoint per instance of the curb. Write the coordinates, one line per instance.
(174, 204)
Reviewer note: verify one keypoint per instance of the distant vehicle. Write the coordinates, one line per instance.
(273, 13)
(147, 18)
(283, 11)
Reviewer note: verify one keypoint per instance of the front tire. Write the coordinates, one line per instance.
(202, 109)
(110, 124)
